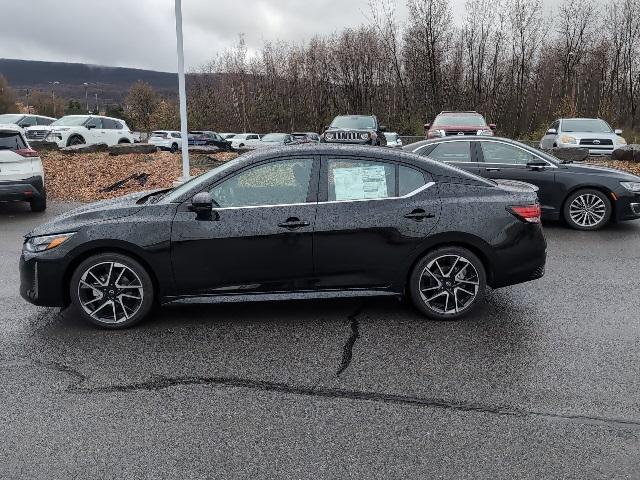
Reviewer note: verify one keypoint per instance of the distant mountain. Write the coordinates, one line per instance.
(111, 83)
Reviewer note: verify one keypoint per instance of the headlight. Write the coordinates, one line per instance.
(46, 242)
(329, 136)
(621, 141)
(631, 186)
(364, 136)
(568, 139)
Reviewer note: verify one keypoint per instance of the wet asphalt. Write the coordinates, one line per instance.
(542, 382)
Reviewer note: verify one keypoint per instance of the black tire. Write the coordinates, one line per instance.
(75, 140)
(118, 284)
(174, 148)
(587, 209)
(39, 204)
(427, 292)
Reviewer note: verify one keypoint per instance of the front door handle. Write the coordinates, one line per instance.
(492, 169)
(292, 223)
(418, 215)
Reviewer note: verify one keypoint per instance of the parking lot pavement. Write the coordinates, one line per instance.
(543, 382)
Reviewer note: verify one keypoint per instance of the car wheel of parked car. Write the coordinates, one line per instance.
(112, 290)
(174, 148)
(39, 204)
(75, 140)
(587, 209)
(123, 140)
(447, 283)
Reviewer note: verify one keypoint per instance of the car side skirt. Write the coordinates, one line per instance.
(268, 297)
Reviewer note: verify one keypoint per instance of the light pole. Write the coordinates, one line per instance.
(86, 95)
(53, 96)
(182, 93)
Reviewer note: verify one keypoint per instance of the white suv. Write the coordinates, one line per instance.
(83, 129)
(245, 140)
(24, 120)
(166, 140)
(21, 172)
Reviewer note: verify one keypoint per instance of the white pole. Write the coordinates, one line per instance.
(182, 92)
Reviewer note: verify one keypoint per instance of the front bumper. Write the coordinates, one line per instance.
(27, 189)
(627, 206)
(42, 280)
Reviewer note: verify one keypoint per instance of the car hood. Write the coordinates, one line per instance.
(591, 135)
(589, 168)
(47, 128)
(96, 212)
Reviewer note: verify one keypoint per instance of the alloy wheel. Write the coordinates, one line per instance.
(449, 284)
(587, 210)
(110, 292)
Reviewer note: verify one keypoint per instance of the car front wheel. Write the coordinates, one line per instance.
(112, 290)
(587, 209)
(448, 283)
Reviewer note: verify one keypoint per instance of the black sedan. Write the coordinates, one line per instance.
(586, 196)
(305, 221)
(207, 138)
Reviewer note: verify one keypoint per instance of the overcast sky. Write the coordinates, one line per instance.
(141, 33)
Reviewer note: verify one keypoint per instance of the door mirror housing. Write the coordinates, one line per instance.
(202, 205)
(89, 127)
(552, 131)
(493, 126)
(618, 131)
(536, 164)
(427, 126)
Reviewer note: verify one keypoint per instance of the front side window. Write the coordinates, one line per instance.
(28, 122)
(277, 183)
(495, 152)
(360, 180)
(94, 122)
(452, 152)
(176, 135)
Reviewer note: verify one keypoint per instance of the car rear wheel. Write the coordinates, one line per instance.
(174, 148)
(587, 209)
(448, 283)
(75, 140)
(112, 290)
(39, 204)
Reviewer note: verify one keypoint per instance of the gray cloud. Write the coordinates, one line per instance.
(141, 33)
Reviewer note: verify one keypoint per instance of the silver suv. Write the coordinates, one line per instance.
(592, 133)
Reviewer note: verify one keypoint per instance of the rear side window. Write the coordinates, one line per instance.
(452, 152)
(360, 180)
(11, 141)
(409, 180)
(108, 124)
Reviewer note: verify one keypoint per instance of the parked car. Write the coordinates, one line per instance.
(228, 136)
(23, 121)
(355, 129)
(306, 137)
(83, 129)
(305, 221)
(170, 140)
(208, 138)
(447, 124)
(593, 134)
(271, 140)
(586, 196)
(393, 139)
(21, 172)
(245, 140)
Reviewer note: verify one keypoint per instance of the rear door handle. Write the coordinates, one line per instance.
(418, 215)
(292, 223)
(492, 169)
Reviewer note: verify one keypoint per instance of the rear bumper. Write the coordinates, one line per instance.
(27, 189)
(522, 261)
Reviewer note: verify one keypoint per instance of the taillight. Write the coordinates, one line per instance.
(526, 213)
(27, 152)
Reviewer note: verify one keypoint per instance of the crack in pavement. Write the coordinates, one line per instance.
(158, 383)
(347, 353)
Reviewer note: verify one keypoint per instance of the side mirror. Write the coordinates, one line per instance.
(493, 126)
(536, 164)
(618, 131)
(89, 127)
(326, 127)
(202, 205)
(383, 128)
(427, 126)
(552, 131)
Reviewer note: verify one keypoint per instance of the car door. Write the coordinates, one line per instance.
(260, 238)
(95, 132)
(459, 153)
(371, 217)
(501, 160)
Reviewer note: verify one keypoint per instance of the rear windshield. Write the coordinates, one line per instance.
(586, 125)
(459, 120)
(11, 141)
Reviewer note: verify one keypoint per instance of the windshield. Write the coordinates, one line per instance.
(177, 192)
(586, 125)
(367, 123)
(10, 118)
(70, 121)
(274, 137)
(460, 120)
